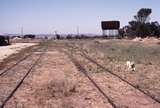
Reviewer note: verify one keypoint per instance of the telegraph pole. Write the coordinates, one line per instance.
(78, 30)
(55, 32)
(22, 31)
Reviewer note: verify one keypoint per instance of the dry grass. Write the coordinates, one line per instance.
(58, 85)
(61, 88)
(113, 55)
(56, 89)
(126, 50)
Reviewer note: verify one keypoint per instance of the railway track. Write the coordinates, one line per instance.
(107, 71)
(112, 73)
(83, 70)
(11, 80)
(19, 61)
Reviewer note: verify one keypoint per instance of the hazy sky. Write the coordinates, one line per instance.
(46, 16)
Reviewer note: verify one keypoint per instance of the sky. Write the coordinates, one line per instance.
(66, 16)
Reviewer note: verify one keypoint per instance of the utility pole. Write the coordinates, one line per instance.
(78, 30)
(22, 31)
(55, 32)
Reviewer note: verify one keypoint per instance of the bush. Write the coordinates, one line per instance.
(69, 37)
(58, 36)
(4, 40)
(29, 36)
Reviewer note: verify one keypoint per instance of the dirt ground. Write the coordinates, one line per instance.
(56, 82)
(120, 92)
(6, 51)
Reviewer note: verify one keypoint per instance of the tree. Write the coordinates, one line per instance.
(4, 40)
(58, 36)
(141, 26)
(29, 36)
(155, 29)
(143, 15)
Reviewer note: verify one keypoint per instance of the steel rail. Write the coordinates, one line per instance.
(22, 80)
(83, 70)
(115, 75)
(122, 79)
(19, 61)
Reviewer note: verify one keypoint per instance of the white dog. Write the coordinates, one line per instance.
(130, 65)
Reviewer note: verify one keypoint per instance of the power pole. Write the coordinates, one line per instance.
(22, 31)
(55, 32)
(78, 30)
